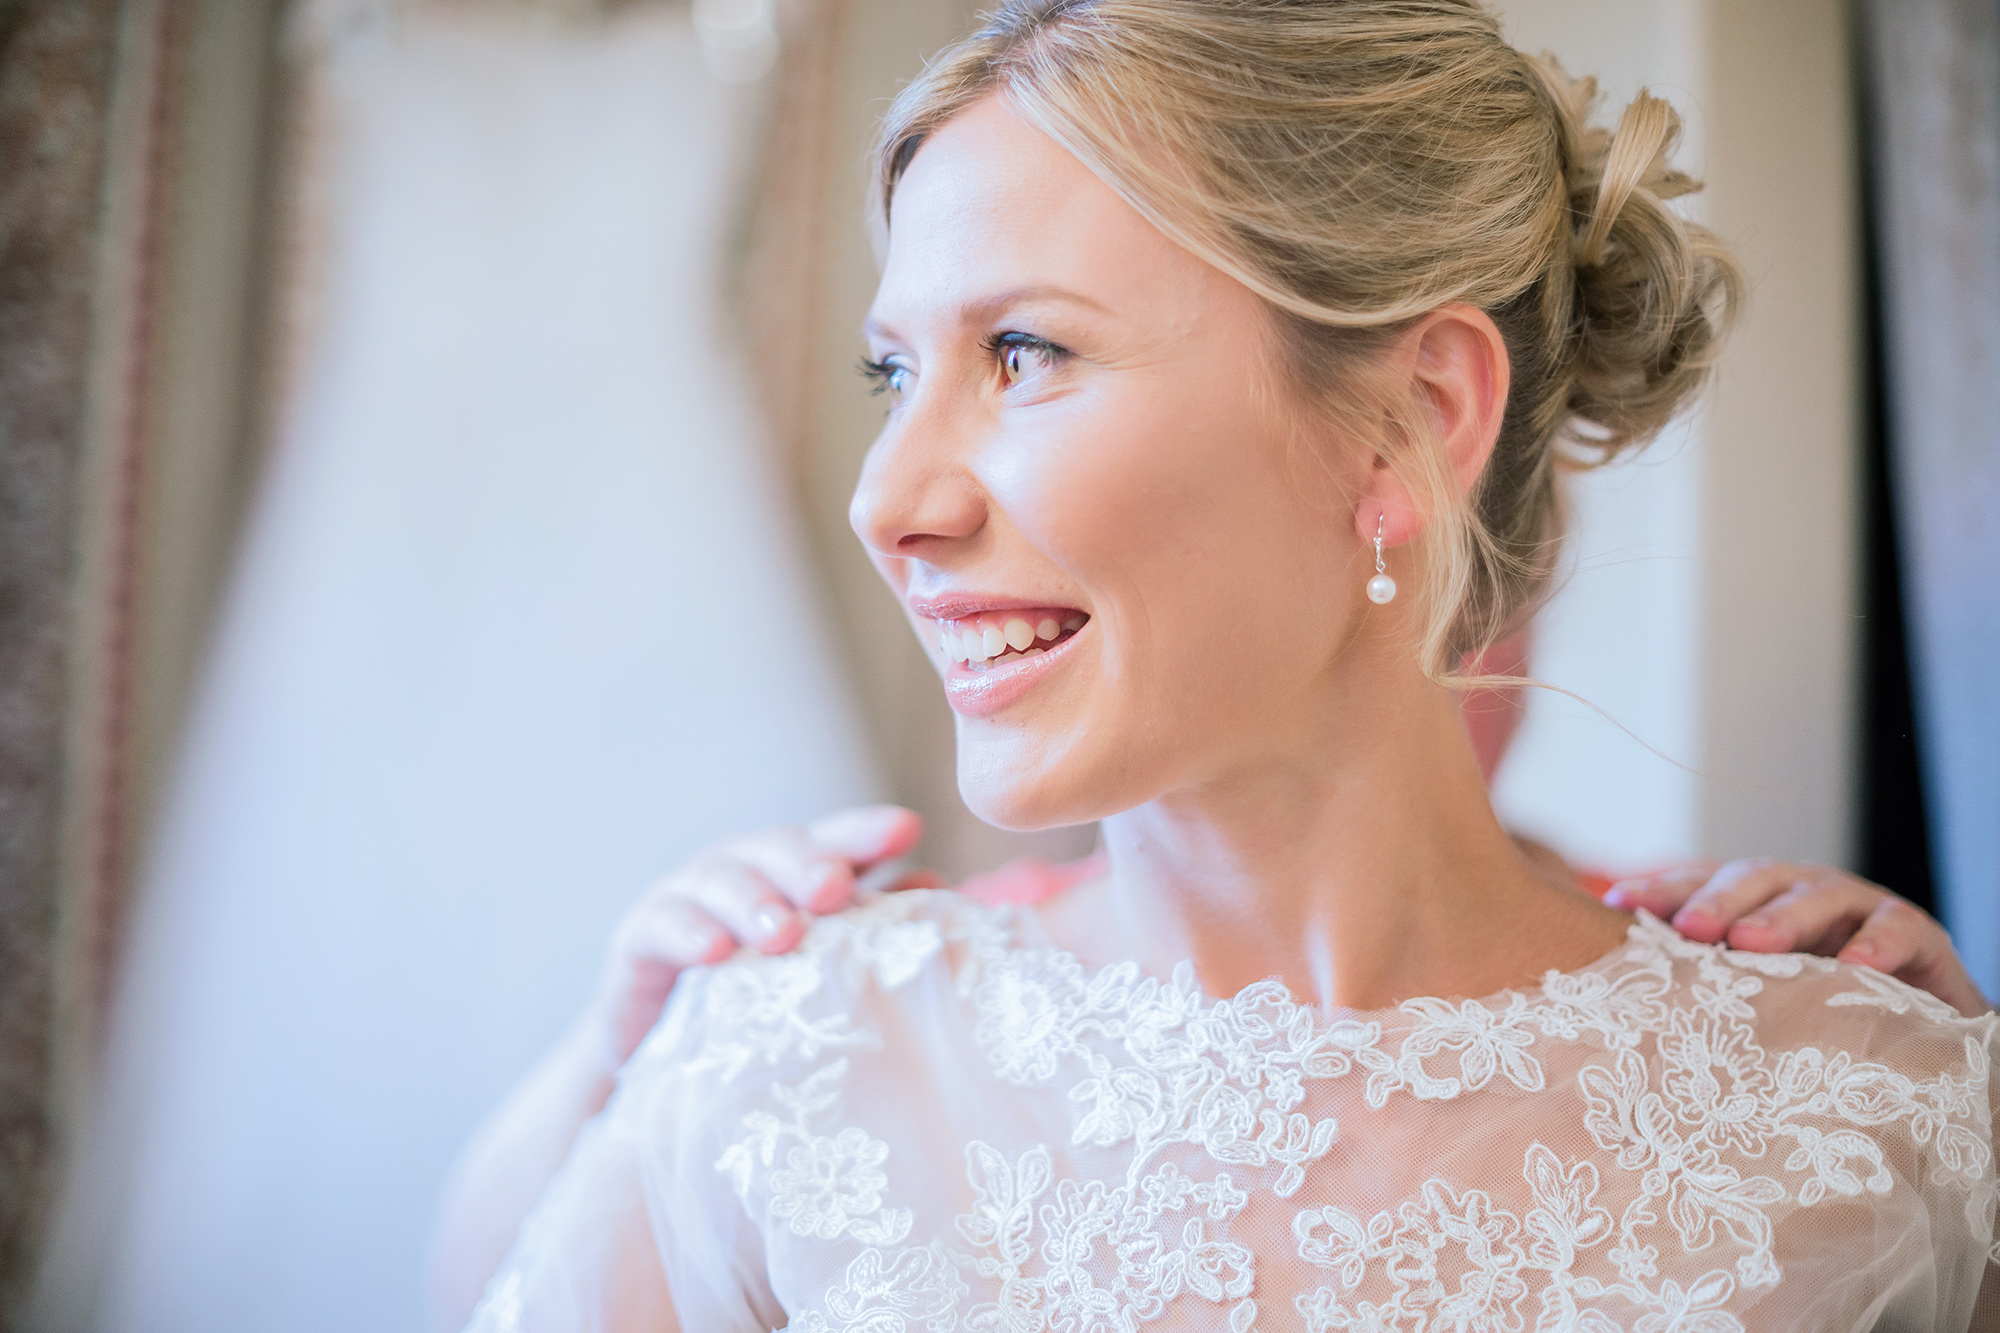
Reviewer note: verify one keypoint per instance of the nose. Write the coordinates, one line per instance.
(915, 496)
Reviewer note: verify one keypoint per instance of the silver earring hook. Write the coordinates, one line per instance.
(1381, 588)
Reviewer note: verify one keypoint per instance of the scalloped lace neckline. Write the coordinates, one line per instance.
(1018, 920)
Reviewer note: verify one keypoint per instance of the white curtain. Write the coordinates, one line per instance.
(521, 621)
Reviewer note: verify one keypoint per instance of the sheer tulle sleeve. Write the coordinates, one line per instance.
(1909, 1245)
(1986, 1305)
(638, 1230)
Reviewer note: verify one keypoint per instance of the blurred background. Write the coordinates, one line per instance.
(425, 437)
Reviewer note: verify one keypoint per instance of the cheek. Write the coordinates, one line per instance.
(1096, 481)
(1083, 497)
(1185, 524)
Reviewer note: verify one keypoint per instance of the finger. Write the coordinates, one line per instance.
(810, 877)
(1663, 893)
(652, 946)
(1731, 893)
(1891, 940)
(816, 867)
(1896, 927)
(739, 896)
(675, 931)
(1815, 915)
(868, 835)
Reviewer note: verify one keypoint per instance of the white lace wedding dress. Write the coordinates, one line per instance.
(931, 1119)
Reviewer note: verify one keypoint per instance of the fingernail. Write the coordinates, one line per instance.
(702, 943)
(828, 888)
(1756, 921)
(771, 919)
(1617, 896)
(1697, 909)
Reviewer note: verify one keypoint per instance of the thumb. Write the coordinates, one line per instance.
(868, 834)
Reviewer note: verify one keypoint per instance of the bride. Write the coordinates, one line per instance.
(1231, 356)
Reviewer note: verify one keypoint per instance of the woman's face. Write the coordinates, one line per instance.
(1093, 477)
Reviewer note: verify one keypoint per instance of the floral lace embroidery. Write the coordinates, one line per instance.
(1887, 993)
(829, 1186)
(1225, 1079)
(755, 1013)
(754, 1010)
(919, 1288)
(1162, 1068)
(1717, 1091)
(1150, 1270)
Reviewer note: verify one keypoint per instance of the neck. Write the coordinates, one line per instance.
(1360, 863)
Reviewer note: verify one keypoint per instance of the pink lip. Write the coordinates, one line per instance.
(984, 693)
(965, 605)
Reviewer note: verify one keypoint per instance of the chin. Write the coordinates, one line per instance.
(1021, 796)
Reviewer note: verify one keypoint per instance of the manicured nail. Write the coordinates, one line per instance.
(771, 919)
(826, 891)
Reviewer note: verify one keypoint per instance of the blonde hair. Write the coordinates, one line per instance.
(1358, 164)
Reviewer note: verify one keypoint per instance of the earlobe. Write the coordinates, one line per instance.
(1389, 512)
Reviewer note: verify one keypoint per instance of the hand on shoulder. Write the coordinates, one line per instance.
(753, 891)
(1762, 905)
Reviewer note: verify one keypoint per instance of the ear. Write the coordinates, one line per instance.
(1453, 364)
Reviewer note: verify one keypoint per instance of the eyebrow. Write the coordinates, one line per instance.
(983, 310)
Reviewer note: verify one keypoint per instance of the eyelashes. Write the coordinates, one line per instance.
(1014, 354)
(997, 343)
(877, 373)
(883, 376)
(1013, 351)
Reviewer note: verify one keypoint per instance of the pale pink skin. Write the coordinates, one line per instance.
(1282, 791)
(1493, 713)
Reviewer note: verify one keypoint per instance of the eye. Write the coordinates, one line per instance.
(888, 375)
(1012, 358)
(1023, 354)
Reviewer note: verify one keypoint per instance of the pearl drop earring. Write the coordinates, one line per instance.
(1381, 588)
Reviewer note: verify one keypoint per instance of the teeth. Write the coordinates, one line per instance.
(1011, 659)
(978, 644)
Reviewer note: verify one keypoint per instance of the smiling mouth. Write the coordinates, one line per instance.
(982, 643)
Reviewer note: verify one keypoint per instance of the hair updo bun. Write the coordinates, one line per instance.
(1359, 163)
(1652, 289)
